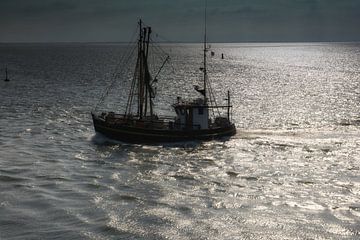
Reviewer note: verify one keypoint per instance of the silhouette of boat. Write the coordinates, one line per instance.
(196, 119)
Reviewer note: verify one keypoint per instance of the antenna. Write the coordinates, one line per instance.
(205, 69)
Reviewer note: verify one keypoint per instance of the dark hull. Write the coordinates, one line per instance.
(146, 135)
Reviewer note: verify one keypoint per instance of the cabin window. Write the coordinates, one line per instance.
(201, 111)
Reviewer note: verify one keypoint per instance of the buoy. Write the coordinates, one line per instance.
(6, 76)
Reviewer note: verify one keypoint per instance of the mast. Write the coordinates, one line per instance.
(144, 78)
(140, 83)
(205, 50)
(144, 82)
(148, 77)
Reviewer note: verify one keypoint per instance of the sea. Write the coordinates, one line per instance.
(292, 171)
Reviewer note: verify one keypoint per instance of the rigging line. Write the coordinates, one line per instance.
(158, 54)
(132, 40)
(114, 78)
(158, 48)
(162, 66)
(127, 53)
(211, 101)
(115, 73)
(214, 99)
(158, 44)
(155, 44)
(212, 95)
(124, 64)
(131, 95)
(166, 40)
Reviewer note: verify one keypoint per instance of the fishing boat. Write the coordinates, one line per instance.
(194, 119)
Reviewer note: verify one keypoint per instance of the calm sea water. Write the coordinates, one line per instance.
(291, 171)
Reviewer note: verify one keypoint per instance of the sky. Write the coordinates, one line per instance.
(180, 20)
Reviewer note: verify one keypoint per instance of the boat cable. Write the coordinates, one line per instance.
(119, 69)
(162, 52)
(114, 78)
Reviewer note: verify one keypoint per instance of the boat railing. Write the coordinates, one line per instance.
(169, 118)
(161, 122)
(185, 126)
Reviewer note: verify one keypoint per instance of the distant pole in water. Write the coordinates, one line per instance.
(6, 75)
(222, 56)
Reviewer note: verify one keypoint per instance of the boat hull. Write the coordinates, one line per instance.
(132, 134)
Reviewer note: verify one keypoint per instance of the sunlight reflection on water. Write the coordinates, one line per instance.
(291, 171)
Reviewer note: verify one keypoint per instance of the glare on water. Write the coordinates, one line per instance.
(291, 171)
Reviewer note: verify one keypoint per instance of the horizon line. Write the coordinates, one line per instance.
(168, 42)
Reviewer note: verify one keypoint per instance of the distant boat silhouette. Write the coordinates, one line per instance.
(6, 75)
